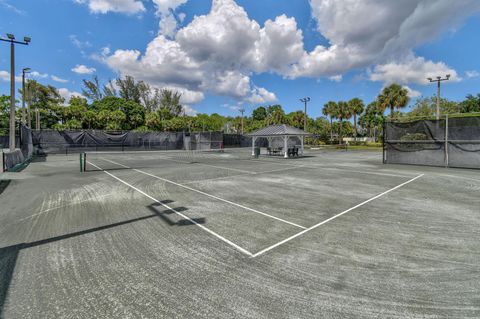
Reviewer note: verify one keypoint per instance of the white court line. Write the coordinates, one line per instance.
(243, 250)
(231, 176)
(333, 217)
(321, 166)
(214, 166)
(206, 194)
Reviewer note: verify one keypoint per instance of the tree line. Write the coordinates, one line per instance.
(127, 104)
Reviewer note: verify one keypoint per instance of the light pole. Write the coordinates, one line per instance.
(242, 111)
(24, 71)
(11, 39)
(37, 119)
(305, 100)
(438, 80)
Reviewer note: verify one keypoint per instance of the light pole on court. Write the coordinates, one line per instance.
(305, 100)
(242, 110)
(24, 71)
(438, 80)
(26, 41)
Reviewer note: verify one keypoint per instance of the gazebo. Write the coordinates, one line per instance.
(282, 131)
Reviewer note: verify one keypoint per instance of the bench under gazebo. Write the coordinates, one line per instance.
(286, 134)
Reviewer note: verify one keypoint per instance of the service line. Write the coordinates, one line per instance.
(333, 217)
(207, 194)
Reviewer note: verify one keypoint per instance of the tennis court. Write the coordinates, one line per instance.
(221, 234)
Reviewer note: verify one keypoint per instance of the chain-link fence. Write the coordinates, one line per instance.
(451, 141)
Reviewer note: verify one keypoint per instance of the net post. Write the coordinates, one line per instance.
(446, 141)
(83, 160)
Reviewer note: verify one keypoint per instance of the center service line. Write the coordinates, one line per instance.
(206, 194)
(246, 252)
(333, 217)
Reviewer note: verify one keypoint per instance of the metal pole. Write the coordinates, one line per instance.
(438, 80)
(242, 111)
(29, 113)
(446, 141)
(23, 97)
(438, 100)
(37, 121)
(11, 39)
(12, 97)
(305, 100)
(384, 137)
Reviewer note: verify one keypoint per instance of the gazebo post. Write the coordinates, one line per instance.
(253, 145)
(301, 143)
(285, 145)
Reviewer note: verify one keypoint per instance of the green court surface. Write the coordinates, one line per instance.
(333, 234)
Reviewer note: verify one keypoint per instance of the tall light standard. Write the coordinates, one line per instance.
(305, 100)
(26, 41)
(438, 80)
(242, 111)
(24, 71)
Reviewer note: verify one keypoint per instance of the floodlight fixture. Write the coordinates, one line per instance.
(438, 80)
(305, 100)
(27, 39)
(10, 36)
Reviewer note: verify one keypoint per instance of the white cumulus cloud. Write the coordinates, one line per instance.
(120, 6)
(472, 74)
(218, 52)
(411, 92)
(391, 31)
(82, 69)
(58, 79)
(412, 70)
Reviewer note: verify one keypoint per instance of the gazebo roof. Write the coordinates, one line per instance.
(278, 130)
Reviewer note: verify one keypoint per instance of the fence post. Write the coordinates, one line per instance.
(446, 141)
(384, 136)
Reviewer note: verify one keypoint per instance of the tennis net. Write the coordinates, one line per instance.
(95, 161)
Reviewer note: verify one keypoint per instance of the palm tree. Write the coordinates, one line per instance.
(393, 97)
(356, 106)
(330, 110)
(343, 113)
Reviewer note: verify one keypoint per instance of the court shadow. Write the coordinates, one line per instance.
(164, 215)
(4, 184)
(8, 255)
(8, 259)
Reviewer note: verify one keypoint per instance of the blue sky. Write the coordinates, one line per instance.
(226, 54)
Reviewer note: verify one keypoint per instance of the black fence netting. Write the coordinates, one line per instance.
(464, 142)
(65, 142)
(26, 142)
(449, 142)
(236, 140)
